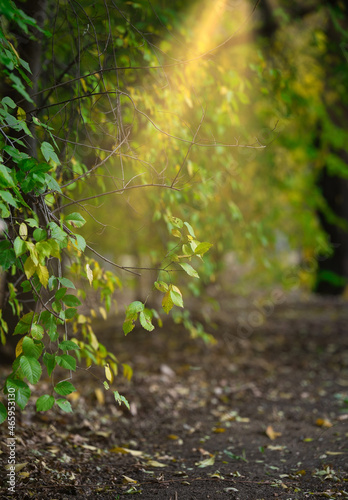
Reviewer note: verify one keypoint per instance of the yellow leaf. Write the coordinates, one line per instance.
(323, 422)
(74, 396)
(113, 367)
(17, 467)
(21, 114)
(167, 302)
(103, 312)
(271, 433)
(154, 463)
(126, 451)
(218, 430)
(89, 447)
(127, 371)
(173, 437)
(29, 267)
(43, 275)
(93, 339)
(89, 274)
(23, 231)
(19, 349)
(128, 480)
(207, 462)
(108, 373)
(99, 394)
(301, 472)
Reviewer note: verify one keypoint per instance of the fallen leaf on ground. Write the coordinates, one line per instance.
(323, 422)
(207, 462)
(17, 467)
(127, 480)
(218, 430)
(126, 451)
(154, 463)
(272, 434)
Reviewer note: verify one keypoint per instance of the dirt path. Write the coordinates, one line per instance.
(259, 417)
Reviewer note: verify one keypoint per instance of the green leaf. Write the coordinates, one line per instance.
(9, 102)
(121, 399)
(189, 270)
(190, 229)
(49, 361)
(37, 331)
(176, 221)
(71, 300)
(31, 368)
(24, 324)
(19, 246)
(161, 286)
(128, 325)
(70, 313)
(68, 345)
(5, 177)
(45, 402)
(58, 234)
(22, 391)
(60, 293)
(49, 153)
(75, 219)
(8, 198)
(7, 255)
(40, 234)
(51, 326)
(52, 184)
(79, 242)
(134, 308)
(30, 348)
(66, 361)
(64, 405)
(176, 298)
(32, 222)
(202, 248)
(66, 282)
(64, 388)
(145, 318)
(3, 413)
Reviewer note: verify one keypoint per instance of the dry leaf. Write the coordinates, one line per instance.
(207, 462)
(271, 433)
(89, 274)
(174, 437)
(323, 422)
(154, 463)
(218, 430)
(17, 467)
(99, 394)
(126, 451)
(128, 480)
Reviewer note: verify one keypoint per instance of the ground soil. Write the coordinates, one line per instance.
(262, 414)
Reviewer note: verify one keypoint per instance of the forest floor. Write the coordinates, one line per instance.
(259, 415)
